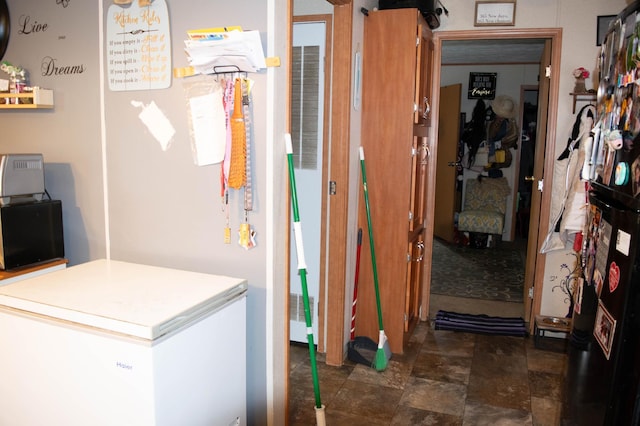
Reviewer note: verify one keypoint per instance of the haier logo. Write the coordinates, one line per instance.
(124, 366)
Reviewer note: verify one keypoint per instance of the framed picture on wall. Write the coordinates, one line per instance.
(482, 85)
(490, 13)
(602, 27)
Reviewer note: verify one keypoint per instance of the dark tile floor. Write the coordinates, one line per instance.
(443, 378)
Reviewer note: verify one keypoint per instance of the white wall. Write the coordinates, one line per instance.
(153, 206)
(68, 136)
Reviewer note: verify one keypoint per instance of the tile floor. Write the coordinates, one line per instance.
(443, 378)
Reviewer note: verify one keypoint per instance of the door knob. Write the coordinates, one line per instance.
(529, 178)
(453, 163)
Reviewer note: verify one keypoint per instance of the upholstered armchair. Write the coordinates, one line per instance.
(485, 204)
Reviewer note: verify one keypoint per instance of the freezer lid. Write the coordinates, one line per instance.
(126, 298)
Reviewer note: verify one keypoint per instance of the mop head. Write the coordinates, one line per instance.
(383, 354)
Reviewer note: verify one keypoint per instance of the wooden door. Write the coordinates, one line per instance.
(533, 255)
(446, 169)
(415, 275)
(418, 182)
(392, 158)
(421, 117)
(424, 64)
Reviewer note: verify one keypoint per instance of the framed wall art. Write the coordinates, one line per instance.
(482, 85)
(491, 13)
(602, 27)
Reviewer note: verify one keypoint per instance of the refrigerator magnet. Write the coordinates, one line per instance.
(622, 174)
(623, 242)
(578, 297)
(636, 177)
(605, 328)
(614, 139)
(614, 277)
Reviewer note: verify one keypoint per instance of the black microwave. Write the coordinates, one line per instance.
(30, 233)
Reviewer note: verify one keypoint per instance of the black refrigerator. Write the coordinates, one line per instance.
(603, 366)
(602, 375)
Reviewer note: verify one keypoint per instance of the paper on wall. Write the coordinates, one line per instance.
(208, 127)
(241, 49)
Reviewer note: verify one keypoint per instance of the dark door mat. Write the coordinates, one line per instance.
(482, 324)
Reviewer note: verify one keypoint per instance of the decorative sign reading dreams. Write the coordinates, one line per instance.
(482, 85)
(138, 46)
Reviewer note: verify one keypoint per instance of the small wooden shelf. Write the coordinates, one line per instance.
(40, 98)
(584, 97)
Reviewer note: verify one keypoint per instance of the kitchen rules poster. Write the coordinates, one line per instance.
(138, 45)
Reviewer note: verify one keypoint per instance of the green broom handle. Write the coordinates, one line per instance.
(371, 245)
(302, 271)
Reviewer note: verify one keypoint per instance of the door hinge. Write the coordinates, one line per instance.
(540, 185)
(547, 71)
(530, 292)
(332, 187)
(418, 41)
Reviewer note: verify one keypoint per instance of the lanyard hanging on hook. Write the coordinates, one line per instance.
(247, 234)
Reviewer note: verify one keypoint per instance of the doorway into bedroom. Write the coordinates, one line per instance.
(503, 264)
(490, 280)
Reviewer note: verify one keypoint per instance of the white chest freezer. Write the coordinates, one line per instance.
(116, 343)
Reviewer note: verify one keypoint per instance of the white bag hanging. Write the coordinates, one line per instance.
(482, 155)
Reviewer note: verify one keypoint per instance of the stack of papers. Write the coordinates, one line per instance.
(214, 51)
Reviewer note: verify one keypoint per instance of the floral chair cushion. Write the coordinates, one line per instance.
(485, 205)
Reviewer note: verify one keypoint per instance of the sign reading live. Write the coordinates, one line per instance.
(482, 85)
(138, 45)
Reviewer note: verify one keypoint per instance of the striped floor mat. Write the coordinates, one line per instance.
(482, 324)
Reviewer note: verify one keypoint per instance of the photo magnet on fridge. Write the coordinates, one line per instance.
(605, 329)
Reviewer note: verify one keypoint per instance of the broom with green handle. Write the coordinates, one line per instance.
(297, 229)
(383, 354)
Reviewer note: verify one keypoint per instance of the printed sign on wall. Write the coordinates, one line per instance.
(138, 45)
(482, 85)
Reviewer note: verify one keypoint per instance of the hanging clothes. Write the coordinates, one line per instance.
(568, 207)
(474, 131)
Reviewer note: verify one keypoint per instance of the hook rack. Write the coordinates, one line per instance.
(227, 69)
(273, 61)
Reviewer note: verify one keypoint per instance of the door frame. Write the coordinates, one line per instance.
(328, 21)
(331, 301)
(555, 36)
